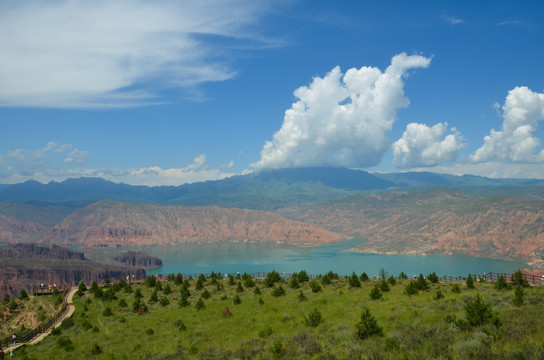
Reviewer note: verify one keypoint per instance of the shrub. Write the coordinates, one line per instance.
(138, 294)
(438, 295)
(375, 293)
(411, 288)
(392, 281)
(183, 301)
(81, 287)
(164, 301)
(248, 282)
(154, 297)
(422, 283)
(271, 278)
(314, 318)
(151, 281)
(237, 300)
(226, 312)
(277, 349)
(67, 323)
(502, 284)
(354, 280)
(257, 290)
(266, 332)
(137, 305)
(200, 304)
(239, 288)
(180, 325)
(5, 300)
(278, 291)
(382, 273)
(65, 343)
(107, 312)
(314, 285)
(403, 275)
(13, 305)
(231, 280)
(433, 278)
(149, 331)
(23, 295)
(293, 283)
(261, 301)
(519, 296)
(206, 294)
(95, 349)
(199, 284)
(384, 286)
(301, 296)
(478, 312)
(167, 289)
(518, 279)
(326, 279)
(368, 326)
(303, 277)
(55, 331)
(470, 282)
(308, 344)
(456, 289)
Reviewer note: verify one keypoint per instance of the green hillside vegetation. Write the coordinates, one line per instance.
(325, 318)
(21, 314)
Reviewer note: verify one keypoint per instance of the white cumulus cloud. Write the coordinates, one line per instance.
(102, 53)
(342, 119)
(516, 141)
(422, 145)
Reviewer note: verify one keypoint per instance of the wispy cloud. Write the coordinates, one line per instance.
(37, 165)
(82, 54)
(452, 20)
(509, 22)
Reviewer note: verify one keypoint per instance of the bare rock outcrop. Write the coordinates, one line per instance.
(113, 224)
(26, 265)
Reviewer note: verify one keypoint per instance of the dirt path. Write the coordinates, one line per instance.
(40, 337)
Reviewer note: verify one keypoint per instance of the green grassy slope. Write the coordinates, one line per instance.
(417, 326)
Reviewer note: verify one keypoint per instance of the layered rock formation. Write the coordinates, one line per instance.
(25, 265)
(438, 221)
(111, 224)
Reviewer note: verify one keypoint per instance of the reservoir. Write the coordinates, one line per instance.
(265, 257)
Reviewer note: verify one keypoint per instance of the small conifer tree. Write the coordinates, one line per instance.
(314, 318)
(354, 280)
(470, 282)
(375, 293)
(519, 296)
(200, 304)
(502, 284)
(368, 326)
(314, 285)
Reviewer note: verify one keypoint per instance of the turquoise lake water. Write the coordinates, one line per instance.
(264, 257)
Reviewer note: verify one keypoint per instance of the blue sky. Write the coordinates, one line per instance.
(170, 92)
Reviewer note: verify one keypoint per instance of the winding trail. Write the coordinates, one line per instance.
(40, 337)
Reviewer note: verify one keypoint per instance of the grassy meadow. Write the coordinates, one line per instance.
(326, 318)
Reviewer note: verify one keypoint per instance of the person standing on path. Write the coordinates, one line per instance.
(14, 338)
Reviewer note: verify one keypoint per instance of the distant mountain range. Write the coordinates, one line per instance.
(420, 213)
(266, 190)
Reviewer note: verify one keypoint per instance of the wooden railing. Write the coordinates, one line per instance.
(493, 276)
(28, 336)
